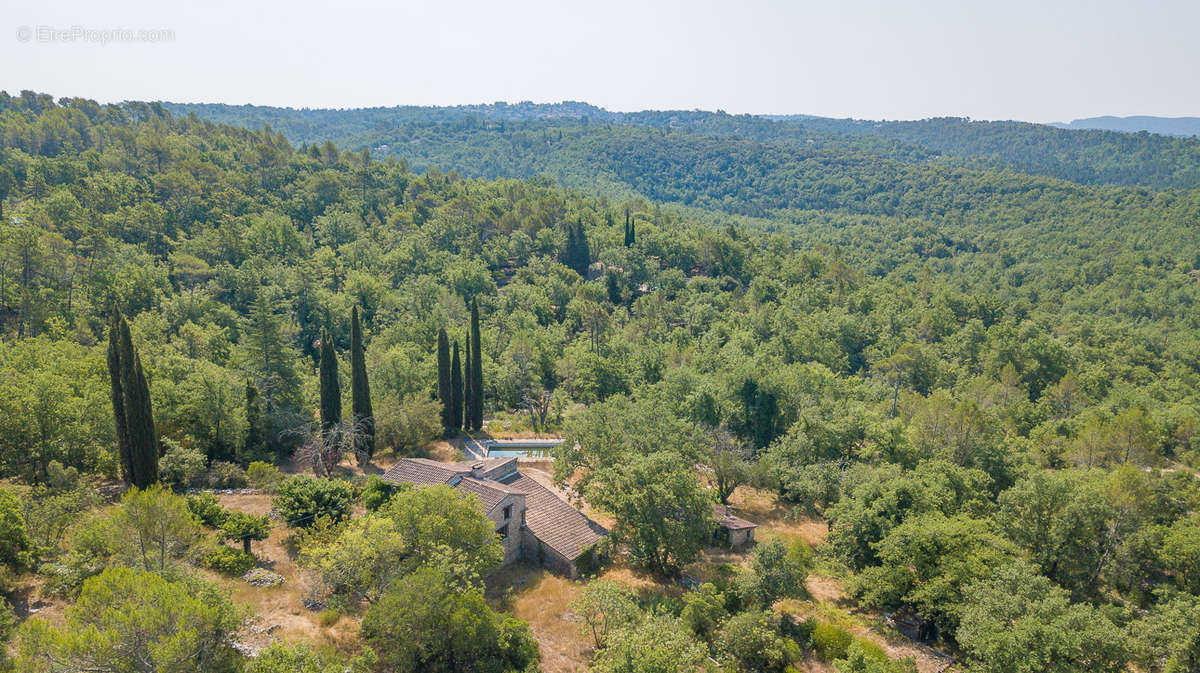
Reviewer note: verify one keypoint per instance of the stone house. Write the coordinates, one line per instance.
(532, 522)
(731, 530)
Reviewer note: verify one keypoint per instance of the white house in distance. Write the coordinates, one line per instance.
(533, 523)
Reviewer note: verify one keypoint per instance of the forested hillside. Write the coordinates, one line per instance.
(1084, 156)
(983, 381)
(1171, 126)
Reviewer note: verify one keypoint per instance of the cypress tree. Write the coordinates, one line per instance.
(360, 390)
(613, 287)
(464, 407)
(142, 433)
(443, 382)
(117, 395)
(254, 432)
(141, 440)
(628, 231)
(331, 388)
(568, 256)
(456, 393)
(476, 370)
(632, 231)
(580, 257)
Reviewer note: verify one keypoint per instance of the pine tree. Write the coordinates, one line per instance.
(117, 395)
(132, 414)
(360, 391)
(253, 447)
(443, 382)
(456, 393)
(476, 370)
(268, 354)
(331, 388)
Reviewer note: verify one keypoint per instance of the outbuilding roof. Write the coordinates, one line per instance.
(726, 519)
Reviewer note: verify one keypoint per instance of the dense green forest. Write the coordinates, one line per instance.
(1083, 156)
(983, 380)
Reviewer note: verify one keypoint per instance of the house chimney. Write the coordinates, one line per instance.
(477, 470)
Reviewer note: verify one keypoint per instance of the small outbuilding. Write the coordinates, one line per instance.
(731, 530)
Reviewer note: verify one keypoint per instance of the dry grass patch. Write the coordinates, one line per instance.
(827, 590)
(280, 614)
(541, 598)
(641, 583)
(29, 599)
(831, 604)
(775, 519)
(446, 451)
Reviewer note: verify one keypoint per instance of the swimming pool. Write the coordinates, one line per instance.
(521, 448)
(529, 452)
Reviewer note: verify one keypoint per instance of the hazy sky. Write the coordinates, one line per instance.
(1040, 60)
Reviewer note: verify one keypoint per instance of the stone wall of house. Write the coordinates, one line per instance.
(738, 538)
(533, 551)
(555, 562)
(513, 524)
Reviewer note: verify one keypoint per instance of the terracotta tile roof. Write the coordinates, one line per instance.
(490, 493)
(493, 468)
(421, 471)
(552, 520)
(726, 519)
(555, 522)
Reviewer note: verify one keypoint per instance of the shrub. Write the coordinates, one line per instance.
(830, 641)
(409, 424)
(227, 475)
(229, 561)
(751, 641)
(153, 528)
(134, 620)
(376, 493)
(59, 478)
(864, 656)
(264, 476)
(328, 618)
(604, 607)
(744, 591)
(207, 509)
(180, 467)
(281, 658)
(870, 649)
(468, 630)
(303, 501)
(15, 546)
(1181, 552)
(781, 570)
(245, 527)
(704, 610)
(90, 550)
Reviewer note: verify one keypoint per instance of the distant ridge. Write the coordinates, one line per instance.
(1167, 126)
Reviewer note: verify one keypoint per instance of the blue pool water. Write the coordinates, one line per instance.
(531, 452)
(530, 448)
